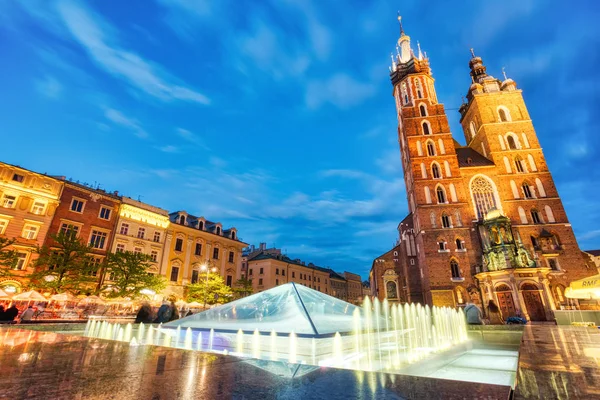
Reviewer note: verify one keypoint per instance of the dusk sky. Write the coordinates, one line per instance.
(277, 117)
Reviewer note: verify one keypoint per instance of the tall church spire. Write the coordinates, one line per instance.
(404, 43)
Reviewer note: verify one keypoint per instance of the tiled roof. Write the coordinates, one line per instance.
(468, 157)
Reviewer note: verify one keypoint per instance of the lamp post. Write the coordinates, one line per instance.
(208, 270)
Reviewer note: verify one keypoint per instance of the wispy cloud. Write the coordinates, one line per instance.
(132, 124)
(340, 90)
(49, 87)
(169, 149)
(99, 40)
(191, 137)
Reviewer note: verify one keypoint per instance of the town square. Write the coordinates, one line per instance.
(299, 200)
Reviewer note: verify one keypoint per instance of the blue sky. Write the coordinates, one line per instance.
(277, 116)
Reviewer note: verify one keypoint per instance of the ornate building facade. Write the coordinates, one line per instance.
(485, 220)
(90, 214)
(141, 228)
(28, 202)
(194, 244)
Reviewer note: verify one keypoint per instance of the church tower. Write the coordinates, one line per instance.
(485, 220)
(437, 201)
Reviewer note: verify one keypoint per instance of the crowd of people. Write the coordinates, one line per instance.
(11, 313)
(167, 312)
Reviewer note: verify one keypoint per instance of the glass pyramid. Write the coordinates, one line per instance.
(284, 309)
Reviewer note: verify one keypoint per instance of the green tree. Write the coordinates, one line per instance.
(205, 290)
(243, 287)
(64, 266)
(8, 257)
(129, 275)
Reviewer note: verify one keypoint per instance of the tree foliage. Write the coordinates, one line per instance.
(128, 272)
(204, 290)
(243, 287)
(8, 257)
(65, 266)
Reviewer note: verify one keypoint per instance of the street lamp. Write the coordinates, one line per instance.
(204, 267)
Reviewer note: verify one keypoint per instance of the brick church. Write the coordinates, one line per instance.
(485, 220)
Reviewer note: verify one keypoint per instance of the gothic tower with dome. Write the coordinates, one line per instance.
(485, 220)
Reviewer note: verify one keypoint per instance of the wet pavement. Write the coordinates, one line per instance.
(46, 365)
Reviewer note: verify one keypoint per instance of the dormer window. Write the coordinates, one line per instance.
(201, 225)
(18, 178)
(233, 235)
(469, 160)
(218, 230)
(182, 219)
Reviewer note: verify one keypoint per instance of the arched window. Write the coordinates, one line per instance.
(435, 171)
(453, 193)
(501, 141)
(525, 141)
(427, 195)
(418, 88)
(447, 168)
(430, 148)
(460, 245)
(423, 171)
(218, 230)
(535, 216)
(432, 218)
(423, 110)
(522, 215)
(426, 128)
(502, 114)
(404, 93)
(446, 221)
(458, 218)
(515, 191)
(419, 148)
(441, 145)
(472, 129)
(454, 269)
(520, 165)
(201, 225)
(182, 219)
(507, 166)
(531, 162)
(511, 142)
(483, 196)
(233, 235)
(441, 194)
(549, 214)
(527, 190)
(540, 187)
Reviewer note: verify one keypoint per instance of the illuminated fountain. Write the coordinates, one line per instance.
(292, 323)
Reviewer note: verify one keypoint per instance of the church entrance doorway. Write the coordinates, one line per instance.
(506, 301)
(533, 302)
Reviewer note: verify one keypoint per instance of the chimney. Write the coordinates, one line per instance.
(263, 246)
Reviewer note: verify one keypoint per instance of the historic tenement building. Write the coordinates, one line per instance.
(485, 220)
(267, 268)
(193, 245)
(90, 214)
(28, 201)
(141, 228)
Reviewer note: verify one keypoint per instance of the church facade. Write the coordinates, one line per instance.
(485, 220)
